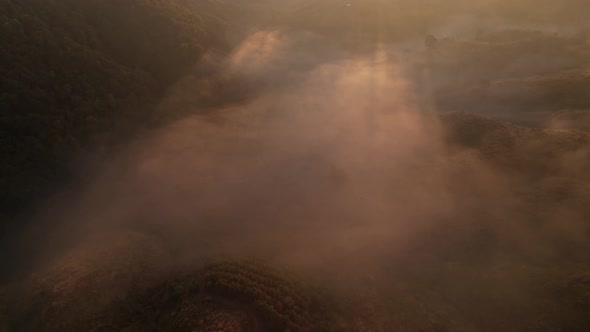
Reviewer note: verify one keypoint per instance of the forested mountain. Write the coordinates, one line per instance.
(75, 75)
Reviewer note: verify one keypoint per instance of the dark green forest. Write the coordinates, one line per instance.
(78, 76)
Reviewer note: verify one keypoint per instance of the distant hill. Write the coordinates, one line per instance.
(385, 21)
(530, 152)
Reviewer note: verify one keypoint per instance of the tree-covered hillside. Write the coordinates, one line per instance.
(75, 75)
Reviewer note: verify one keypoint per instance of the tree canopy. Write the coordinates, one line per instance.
(74, 75)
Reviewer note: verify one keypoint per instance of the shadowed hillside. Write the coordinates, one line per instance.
(77, 76)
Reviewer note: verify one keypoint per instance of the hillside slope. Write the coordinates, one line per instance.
(76, 75)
